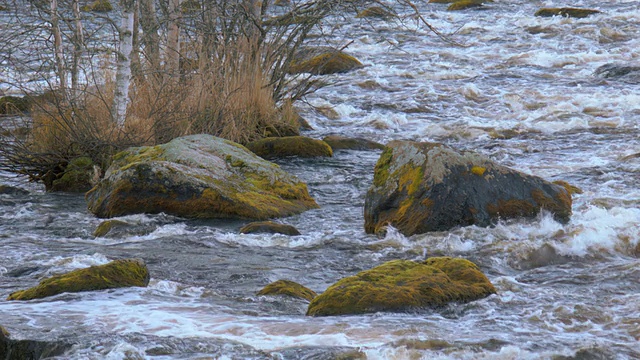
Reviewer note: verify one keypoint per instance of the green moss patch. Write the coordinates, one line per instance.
(77, 176)
(288, 288)
(116, 274)
(402, 285)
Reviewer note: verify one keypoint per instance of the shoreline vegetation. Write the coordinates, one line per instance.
(229, 68)
(179, 69)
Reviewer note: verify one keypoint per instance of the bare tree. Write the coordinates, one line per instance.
(123, 72)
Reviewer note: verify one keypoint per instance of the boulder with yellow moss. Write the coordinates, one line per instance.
(322, 60)
(299, 146)
(198, 176)
(403, 285)
(566, 12)
(465, 4)
(288, 288)
(116, 274)
(422, 187)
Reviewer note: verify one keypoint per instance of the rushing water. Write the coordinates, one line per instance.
(522, 91)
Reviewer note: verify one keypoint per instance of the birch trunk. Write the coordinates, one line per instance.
(123, 72)
(57, 45)
(173, 38)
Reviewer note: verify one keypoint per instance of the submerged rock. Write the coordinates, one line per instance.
(422, 187)
(566, 12)
(320, 353)
(289, 288)
(300, 146)
(623, 72)
(403, 285)
(322, 61)
(6, 189)
(121, 229)
(198, 176)
(338, 142)
(376, 12)
(29, 349)
(269, 227)
(116, 274)
(77, 177)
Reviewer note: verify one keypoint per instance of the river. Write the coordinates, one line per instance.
(523, 91)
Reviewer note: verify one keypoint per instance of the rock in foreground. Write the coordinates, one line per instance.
(29, 349)
(116, 274)
(422, 187)
(198, 176)
(402, 285)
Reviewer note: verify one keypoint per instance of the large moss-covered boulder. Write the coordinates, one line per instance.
(116, 274)
(198, 176)
(566, 12)
(403, 285)
(338, 142)
(77, 176)
(29, 349)
(300, 146)
(422, 187)
(269, 227)
(322, 60)
(288, 288)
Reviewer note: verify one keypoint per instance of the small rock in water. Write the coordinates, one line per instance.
(623, 72)
(338, 142)
(289, 288)
(299, 146)
(566, 12)
(269, 227)
(116, 274)
(6, 189)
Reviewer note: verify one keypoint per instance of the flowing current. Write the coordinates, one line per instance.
(523, 91)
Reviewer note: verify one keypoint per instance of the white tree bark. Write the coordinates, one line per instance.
(57, 45)
(123, 72)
